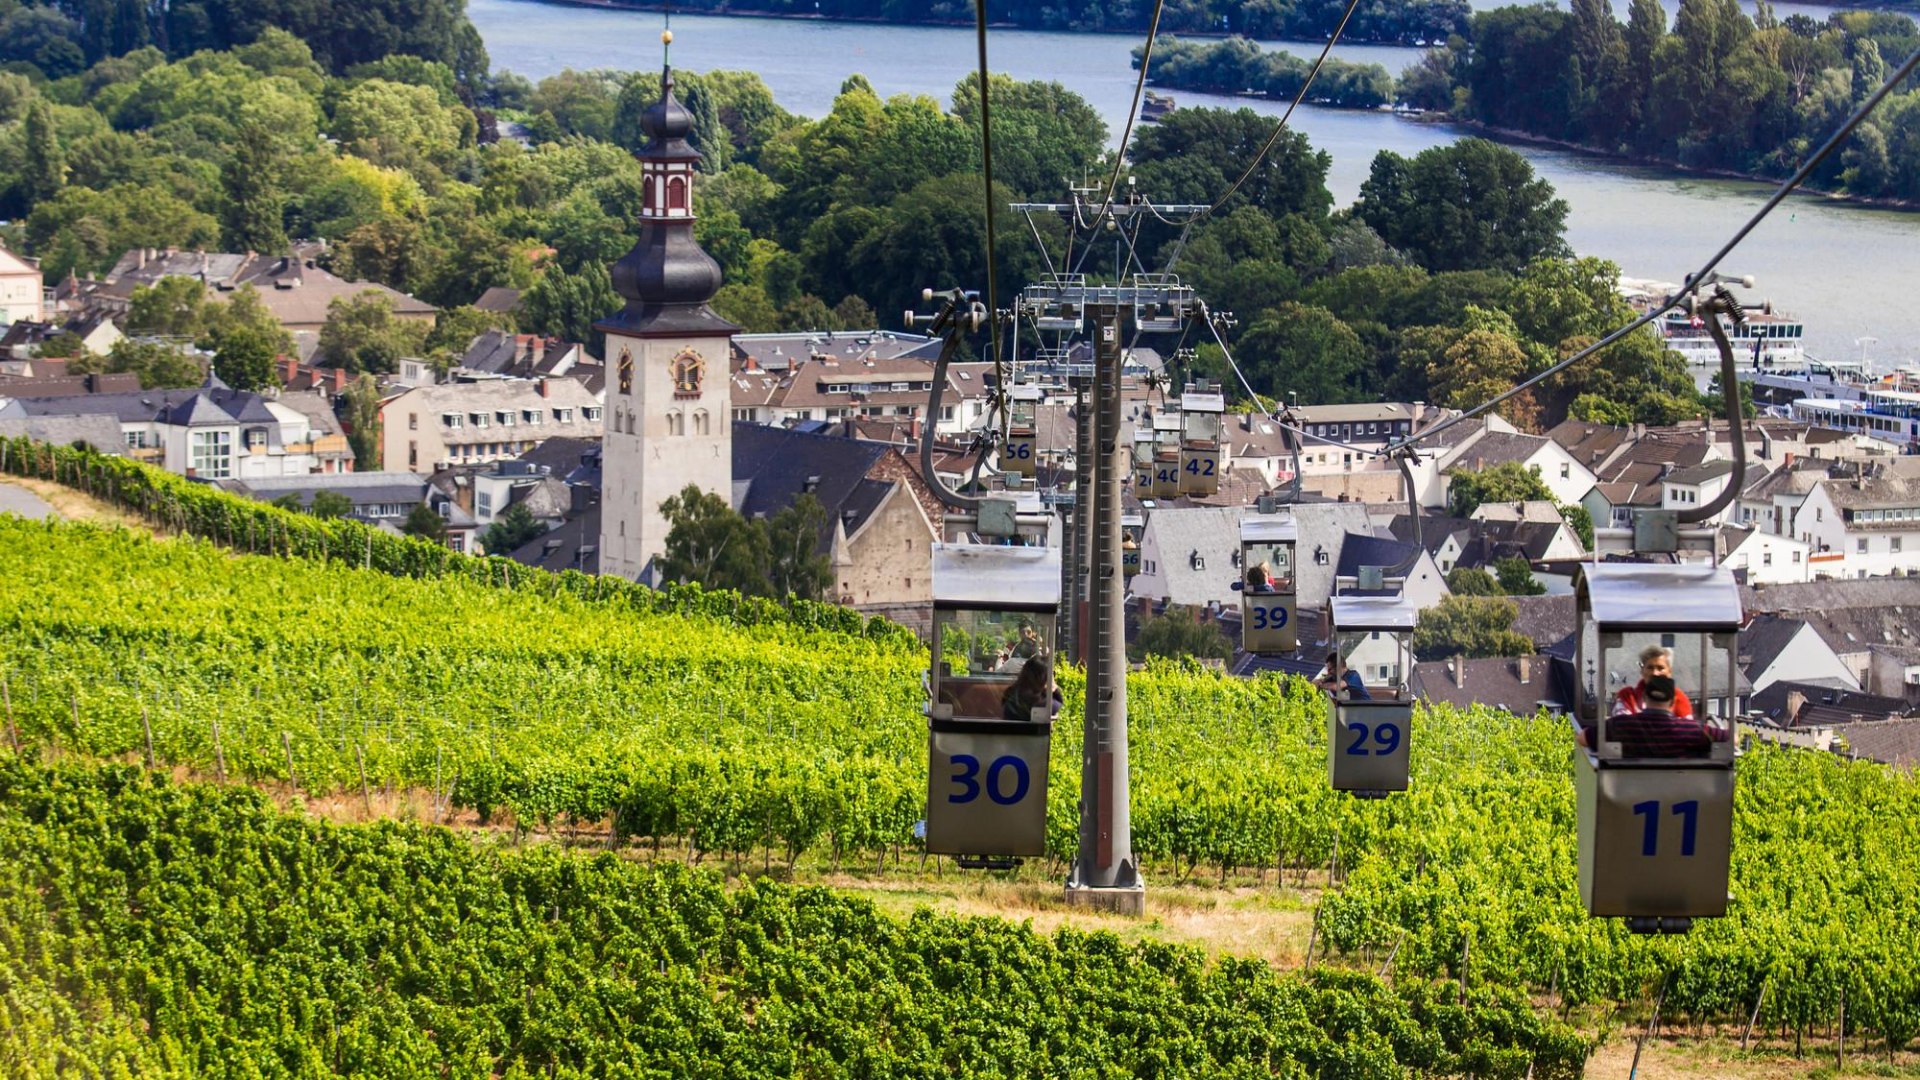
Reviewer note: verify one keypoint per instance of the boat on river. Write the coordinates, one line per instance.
(1764, 341)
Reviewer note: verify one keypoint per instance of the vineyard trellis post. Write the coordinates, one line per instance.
(366, 795)
(286, 745)
(1755, 1015)
(6, 694)
(146, 728)
(219, 755)
(1840, 1034)
(1652, 1023)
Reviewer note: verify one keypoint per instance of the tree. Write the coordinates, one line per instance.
(362, 334)
(1507, 482)
(1469, 626)
(1297, 348)
(158, 365)
(330, 504)
(511, 531)
(709, 543)
(1516, 577)
(291, 501)
(795, 566)
(567, 305)
(45, 168)
(1194, 155)
(361, 417)
(174, 306)
(1480, 365)
(1471, 581)
(245, 359)
(254, 201)
(1178, 632)
(1470, 205)
(425, 522)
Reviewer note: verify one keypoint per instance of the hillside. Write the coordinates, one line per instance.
(806, 745)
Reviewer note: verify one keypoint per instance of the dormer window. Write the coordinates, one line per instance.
(1197, 560)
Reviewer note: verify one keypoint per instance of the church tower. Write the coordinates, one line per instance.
(668, 417)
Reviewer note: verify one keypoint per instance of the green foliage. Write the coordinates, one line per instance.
(158, 365)
(361, 418)
(128, 889)
(1581, 522)
(1472, 581)
(425, 523)
(710, 544)
(1179, 632)
(1516, 577)
(362, 334)
(1469, 205)
(245, 358)
(255, 203)
(1507, 482)
(511, 530)
(172, 306)
(795, 566)
(330, 504)
(1236, 65)
(1470, 626)
(567, 305)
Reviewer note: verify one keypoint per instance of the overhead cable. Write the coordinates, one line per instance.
(1700, 277)
(1298, 97)
(1139, 88)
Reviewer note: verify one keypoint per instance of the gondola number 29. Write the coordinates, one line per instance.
(1386, 739)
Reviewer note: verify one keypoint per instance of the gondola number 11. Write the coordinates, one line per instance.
(1688, 812)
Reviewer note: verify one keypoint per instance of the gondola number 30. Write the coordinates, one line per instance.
(967, 779)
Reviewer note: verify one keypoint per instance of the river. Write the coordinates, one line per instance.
(1840, 268)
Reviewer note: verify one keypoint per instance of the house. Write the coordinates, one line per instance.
(1850, 615)
(1766, 558)
(503, 354)
(1777, 647)
(1422, 583)
(783, 379)
(1343, 438)
(1191, 555)
(96, 432)
(379, 498)
(23, 295)
(500, 300)
(48, 379)
(524, 484)
(1890, 742)
(1565, 477)
(1696, 486)
(1894, 671)
(1793, 704)
(212, 432)
(470, 423)
(1868, 526)
(1521, 685)
(293, 287)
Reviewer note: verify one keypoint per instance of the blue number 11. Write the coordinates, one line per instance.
(1688, 811)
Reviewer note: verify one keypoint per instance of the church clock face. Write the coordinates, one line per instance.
(687, 369)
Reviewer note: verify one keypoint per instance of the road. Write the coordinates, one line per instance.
(15, 500)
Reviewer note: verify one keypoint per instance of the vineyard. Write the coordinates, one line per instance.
(796, 742)
(158, 928)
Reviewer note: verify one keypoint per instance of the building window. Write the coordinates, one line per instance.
(1796, 556)
(483, 502)
(413, 421)
(1860, 545)
(529, 416)
(211, 455)
(1766, 558)
(592, 415)
(677, 193)
(413, 454)
(563, 416)
(1893, 544)
(478, 419)
(505, 418)
(1566, 471)
(452, 420)
(626, 372)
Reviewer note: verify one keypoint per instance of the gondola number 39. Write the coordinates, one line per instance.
(1269, 618)
(967, 779)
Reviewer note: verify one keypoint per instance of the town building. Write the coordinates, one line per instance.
(23, 294)
(293, 287)
(426, 428)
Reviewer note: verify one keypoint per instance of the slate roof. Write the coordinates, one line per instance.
(1834, 595)
(499, 298)
(1495, 681)
(363, 488)
(1824, 704)
(1358, 550)
(101, 433)
(1547, 620)
(575, 545)
(296, 290)
(1498, 448)
(1435, 528)
(1492, 541)
(566, 455)
(777, 465)
(1764, 638)
(1892, 742)
(1214, 533)
(1875, 492)
(1589, 443)
(195, 406)
(1701, 473)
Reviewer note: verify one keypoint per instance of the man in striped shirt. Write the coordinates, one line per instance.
(1655, 732)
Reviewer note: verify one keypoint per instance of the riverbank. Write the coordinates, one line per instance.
(1525, 138)
(732, 12)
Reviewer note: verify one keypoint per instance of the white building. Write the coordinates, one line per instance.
(23, 296)
(669, 401)
(472, 423)
(1869, 527)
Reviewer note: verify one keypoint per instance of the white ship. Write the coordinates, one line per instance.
(1765, 341)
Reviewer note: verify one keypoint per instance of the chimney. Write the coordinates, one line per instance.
(339, 379)
(546, 391)
(1796, 701)
(289, 367)
(140, 259)
(1526, 670)
(1460, 670)
(1787, 458)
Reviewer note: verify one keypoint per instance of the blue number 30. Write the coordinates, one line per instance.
(967, 771)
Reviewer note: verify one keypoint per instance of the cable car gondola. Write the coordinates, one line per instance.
(1166, 453)
(1143, 464)
(1370, 719)
(1268, 596)
(1022, 448)
(1201, 409)
(994, 613)
(1656, 833)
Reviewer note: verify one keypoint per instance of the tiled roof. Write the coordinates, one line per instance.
(1893, 742)
(1498, 448)
(1517, 685)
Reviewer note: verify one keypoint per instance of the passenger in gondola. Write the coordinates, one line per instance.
(1655, 660)
(1658, 731)
(1028, 645)
(1338, 677)
(1033, 689)
(1260, 579)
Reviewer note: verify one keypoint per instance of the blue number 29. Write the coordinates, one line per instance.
(1385, 736)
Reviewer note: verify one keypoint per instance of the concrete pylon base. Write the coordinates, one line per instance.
(1128, 900)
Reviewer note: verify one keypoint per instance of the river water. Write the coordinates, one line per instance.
(1844, 270)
